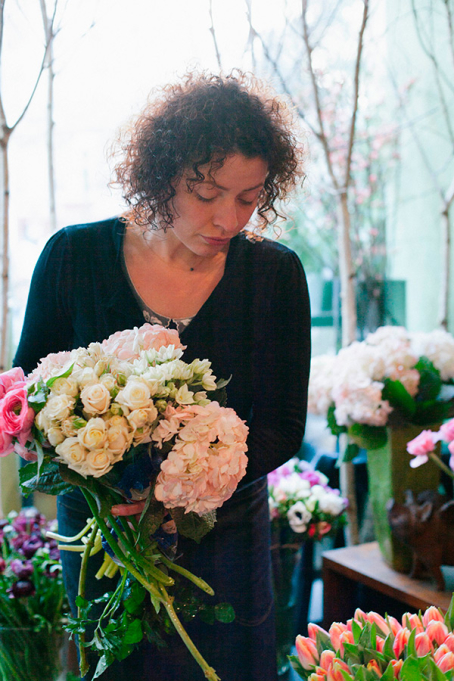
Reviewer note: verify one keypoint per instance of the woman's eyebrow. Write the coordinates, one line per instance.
(226, 189)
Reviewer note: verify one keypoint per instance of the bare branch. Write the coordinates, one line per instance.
(213, 33)
(41, 69)
(450, 28)
(351, 137)
(321, 132)
(426, 49)
(449, 196)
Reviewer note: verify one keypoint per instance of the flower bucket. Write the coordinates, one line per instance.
(28, 655)
(390, 475)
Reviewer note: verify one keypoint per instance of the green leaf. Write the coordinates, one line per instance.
(399, 397)
(40, 453)
(429, 412)
(411, 646)
(356, 631)
(429, 380)
(388, 647)
(332, 423)
(206, 614)
(410, 670)
(192, 525)
(52, 380)
(351, 653)
(218, 395)
(223, 382)
(224, 613)
(368, 437)
(437, 674)
(134, 633)
(449, 617)
(151, 518)
(101, 667)
(49, 482)
(350, 452)
(298, 667)
(388, 674)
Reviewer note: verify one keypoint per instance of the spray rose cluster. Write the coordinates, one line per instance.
(392, 374)
(300, 496)
(370, 646)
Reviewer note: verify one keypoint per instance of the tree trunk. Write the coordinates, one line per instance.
(50, 143)
(446, 269)
(348, 491)
(4, 349)
(347, 275)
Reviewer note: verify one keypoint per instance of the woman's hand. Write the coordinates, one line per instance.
(133, 508)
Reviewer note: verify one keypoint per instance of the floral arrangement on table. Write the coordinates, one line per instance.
(128, 418)
(423, 447)
(393, 377)
(370, 646)
(33, 606)
(300, 497)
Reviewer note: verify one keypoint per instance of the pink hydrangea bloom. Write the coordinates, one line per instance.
(128, 344)
(207, 460)
(49, 366)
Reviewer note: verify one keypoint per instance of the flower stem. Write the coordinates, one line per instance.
(76, 537)
(209, 672)
(441, 464)
(198, 581)
(83, 664)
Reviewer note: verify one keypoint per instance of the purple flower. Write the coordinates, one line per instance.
(312, 476)
(22, 569)
(22, 588)
(30, 546)
(2, 566)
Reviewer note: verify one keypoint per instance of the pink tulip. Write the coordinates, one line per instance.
(447, 662)
(442, 650)
(335, 631)
(432, 614)
(447, 431)
(379, 643)
(401, 641)
(335, 673)
(326, 659)
(394, 624)
(313, 629)
(360, 616)
(423, 644)
(318, 675)
(449, 642)
(9, 378)
(397, 666)
(14, 411)
(345, 637)
(437, 632)
(414, 621)
(307, 651)
(379, 621)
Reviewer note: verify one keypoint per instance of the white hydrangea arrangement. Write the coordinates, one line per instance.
(299, 496)
(393, 376)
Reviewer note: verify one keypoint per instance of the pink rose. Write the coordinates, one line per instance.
(421, 446)
(6, 444)
(9, 378)
(15, 414)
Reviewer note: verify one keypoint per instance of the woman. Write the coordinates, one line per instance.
(196, 164)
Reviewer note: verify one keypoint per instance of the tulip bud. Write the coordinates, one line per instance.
(373, 666)
(360, 616)
(379, 643)
(312, 630)
(307, 651)
(379, 621)
(423, 644)
(335, 673)
(397, 666)
(326, 659)
(345, 637)
(447, 662)
(335, 632)
(394, 624)
(442, 650)
(412, 621)
(449, 642)
(437, 631)
(432, 614)
(401, 641)
(318, 675)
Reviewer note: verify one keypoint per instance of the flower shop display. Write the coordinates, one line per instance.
(128, 418)
(381, 393)
(302, 507)
(33, 605)
(370, 646)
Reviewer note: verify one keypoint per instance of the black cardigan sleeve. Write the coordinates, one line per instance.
(47, 323)
(281, 364)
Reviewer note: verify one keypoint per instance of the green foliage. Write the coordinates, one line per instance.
(192, 525)
(368, 437)
(49, 481)
(332, 423)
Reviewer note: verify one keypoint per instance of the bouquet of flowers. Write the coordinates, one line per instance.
(33, 605)
(300, 497)
(128, 418)
(369, 647)
(424, 445)
(393, 377)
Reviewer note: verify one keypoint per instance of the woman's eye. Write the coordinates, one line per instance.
(245, 203)
(203, 198)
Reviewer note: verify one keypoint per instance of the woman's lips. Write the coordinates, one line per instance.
(215, 241)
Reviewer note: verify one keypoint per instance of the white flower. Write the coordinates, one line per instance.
(299, 517)
(71, 452)
(94, 434)
(108, 381)
(184, 395)
(95, 398)
(55, 436)
(331, 503)
(99, 462)
(65, 386)
(85, 376)
(139, 418)
(209, 381)
(59, 407)
(119, 436)
(135, 395)
(438, 346)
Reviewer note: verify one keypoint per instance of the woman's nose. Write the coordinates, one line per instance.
(226, 215)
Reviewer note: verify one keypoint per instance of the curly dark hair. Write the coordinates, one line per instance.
(198, 121)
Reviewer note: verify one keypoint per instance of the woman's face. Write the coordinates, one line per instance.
(218, 208)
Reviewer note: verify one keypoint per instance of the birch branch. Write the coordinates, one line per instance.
(213, 33)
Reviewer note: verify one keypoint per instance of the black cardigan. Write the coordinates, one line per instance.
(255, 326)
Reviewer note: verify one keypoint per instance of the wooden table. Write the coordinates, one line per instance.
(347, 568)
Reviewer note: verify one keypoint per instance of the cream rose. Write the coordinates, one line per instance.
(108, 381)
(135, 395)
(65, 386)
(142, 417)
(71, 452)
(98, 462)
(94, 434)
(43, 421)
(95, 398)
(68, 426)
(55, 436)
(119, 437)
(59, 407)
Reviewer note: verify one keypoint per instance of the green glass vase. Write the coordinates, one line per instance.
(390, 475)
